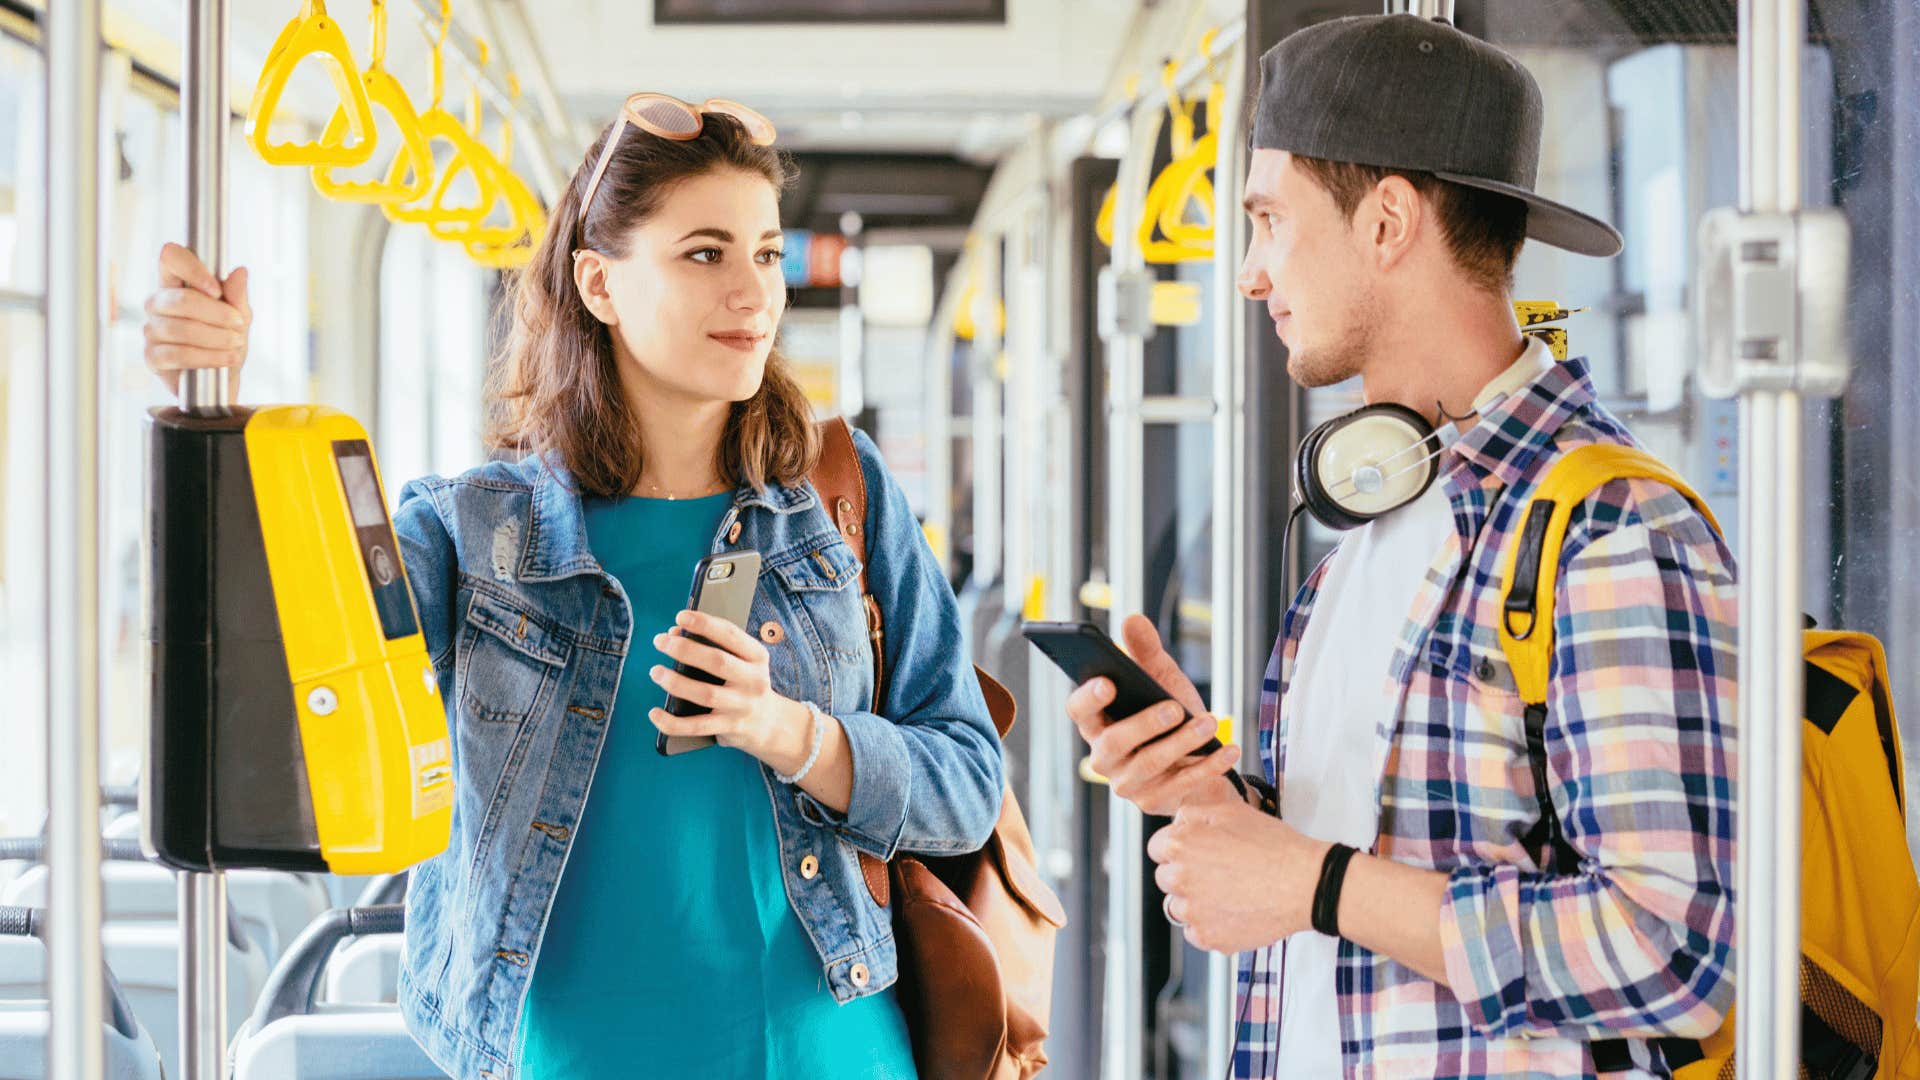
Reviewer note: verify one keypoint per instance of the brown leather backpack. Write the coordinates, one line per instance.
(975, 932)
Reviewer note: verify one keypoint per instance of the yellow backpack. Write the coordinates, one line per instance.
(1860, 902)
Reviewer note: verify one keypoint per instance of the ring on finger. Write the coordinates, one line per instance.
(1166, 908)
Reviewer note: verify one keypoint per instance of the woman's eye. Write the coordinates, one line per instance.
(771, 258)
(705, 255)
(1273, 223)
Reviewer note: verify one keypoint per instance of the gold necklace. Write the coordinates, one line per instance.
(663, 493)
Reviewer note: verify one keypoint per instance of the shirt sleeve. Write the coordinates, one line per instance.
(1638, 939)
(426, 550)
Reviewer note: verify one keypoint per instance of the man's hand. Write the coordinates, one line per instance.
(1236, 878)
(1158, 778)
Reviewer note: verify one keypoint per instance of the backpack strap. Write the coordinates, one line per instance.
(842, 488)
(843, 493)
(1526, 636)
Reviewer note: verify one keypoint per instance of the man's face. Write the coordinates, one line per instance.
(1306, 262)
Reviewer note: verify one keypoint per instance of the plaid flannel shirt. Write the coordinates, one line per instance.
(1637, 942)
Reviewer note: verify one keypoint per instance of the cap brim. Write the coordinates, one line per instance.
(1551, 223)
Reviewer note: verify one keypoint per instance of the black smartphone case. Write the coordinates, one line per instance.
(730, 599)
(1085, 652)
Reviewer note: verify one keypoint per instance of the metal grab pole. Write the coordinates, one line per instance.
(204, 101)
(1123, 1056)
(989, 488)
(203, 897)
(1426, 9)
(1771, 671)
(1233, 605)
(74, 987)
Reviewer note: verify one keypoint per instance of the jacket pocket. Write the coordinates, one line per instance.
(823, 654)
(822, 564)
(511, 658)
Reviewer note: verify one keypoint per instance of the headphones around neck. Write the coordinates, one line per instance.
(1369, 462)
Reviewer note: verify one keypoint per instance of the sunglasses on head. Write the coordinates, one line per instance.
(671, 118)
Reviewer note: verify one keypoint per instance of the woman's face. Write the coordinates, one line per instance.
(697, 300)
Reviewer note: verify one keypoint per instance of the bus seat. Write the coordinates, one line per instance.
(270, 907)
(365, 971)
(130, 1052)
(141, 939)
(146, 957)
(292, 1033)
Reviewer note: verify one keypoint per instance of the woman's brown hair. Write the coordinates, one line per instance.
(557, 391)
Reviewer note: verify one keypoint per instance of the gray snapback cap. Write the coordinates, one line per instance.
(1402, 92)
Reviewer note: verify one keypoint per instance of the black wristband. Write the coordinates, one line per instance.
(1269, 796)
(1239, 782)
(1326, 895)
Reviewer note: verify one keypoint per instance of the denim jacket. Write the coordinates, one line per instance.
(528, 635)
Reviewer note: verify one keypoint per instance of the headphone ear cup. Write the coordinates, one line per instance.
(1324, 505)
(1428, 438)
(1313, 494)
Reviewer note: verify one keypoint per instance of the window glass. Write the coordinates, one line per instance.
(23, 567)
(23, 157)
(433, 319)
(23, 506)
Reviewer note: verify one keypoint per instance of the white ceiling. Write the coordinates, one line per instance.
(968, 89)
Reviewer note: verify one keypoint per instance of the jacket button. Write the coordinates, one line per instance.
(733, 533)
(1485, 670)
(843, 506)
(809, 867)
(859, 974)
(771, 633)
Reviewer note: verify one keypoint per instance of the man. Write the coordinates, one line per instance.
(1390, 188)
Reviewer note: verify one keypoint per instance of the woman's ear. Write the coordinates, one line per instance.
(590, 279)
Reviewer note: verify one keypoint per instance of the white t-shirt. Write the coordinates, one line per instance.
(1343, 690)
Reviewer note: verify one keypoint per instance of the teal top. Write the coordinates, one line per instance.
(671, 949)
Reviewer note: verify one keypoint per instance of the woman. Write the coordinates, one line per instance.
(702, 914)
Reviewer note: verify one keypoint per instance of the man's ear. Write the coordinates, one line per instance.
(590, 279)
(1395, 212)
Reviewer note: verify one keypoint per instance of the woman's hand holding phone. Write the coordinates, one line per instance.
(746, 712)
(1161, 777)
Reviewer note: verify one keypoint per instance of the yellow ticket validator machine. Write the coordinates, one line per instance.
(297, 722)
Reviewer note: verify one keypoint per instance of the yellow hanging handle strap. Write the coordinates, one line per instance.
(469, 156)
(377, 47)
(1179, 112)
(1532, 563)
(313, 34)
(411, 173)
(529, 217)
(489, 172)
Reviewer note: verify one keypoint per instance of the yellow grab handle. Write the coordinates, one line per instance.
(513, 196)
(1186, 184)
(314, 35)
(512, 247)
(411, 173)
(384, 91)
(469, 156)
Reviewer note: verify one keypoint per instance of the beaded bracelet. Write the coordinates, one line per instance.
(818, 720)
